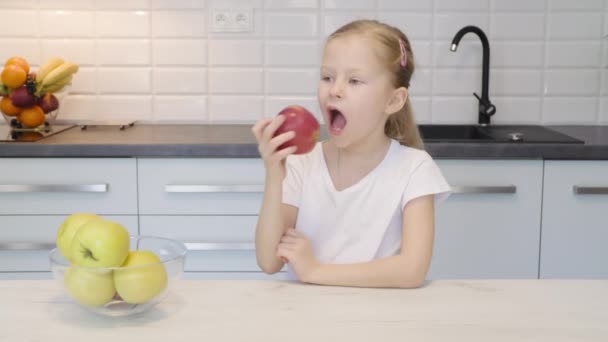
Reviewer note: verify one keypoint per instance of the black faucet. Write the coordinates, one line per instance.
(486, 108)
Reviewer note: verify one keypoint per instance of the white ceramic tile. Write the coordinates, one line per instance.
(575, 110)
(575, 25)
(234, 3)
(421, 106)
(604, 81)
(67, 4)
(518, 5)
(517, 26)
(333, 21)
(176, 108)
(25, 20)
(123, 24)
(123, 52)
(274, 104)
(516, 54)
(178, 24)
(177, 4)
(64, 24)
(515, 82)
(271, 4)
(236, 109)
(124, 80)
(420, 84)
(468, 53)
(446, 25)
(423, 53)
(179, 52)
(454, 110)
(517, 110)
(6, 4)
(180, 80)
(235, 52)
(461, 5)
(603, 115)
(572, 82)
(26, 48)
(588, 5)
(124, 108)
(348, 4)
(571, 54)
(123, 4)
(79, 107)
(414, 26)
(80, 51)
(84, 81)
(415, 5)
(292, 53)
(236, 81)
(456, 82)
(291, 25)
(286, 81)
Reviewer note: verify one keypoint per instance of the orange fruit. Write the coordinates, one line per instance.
(13, 76)
(18, 61)
(31, 117)
(7, 107)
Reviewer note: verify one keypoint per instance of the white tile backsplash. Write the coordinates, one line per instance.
(158, 60)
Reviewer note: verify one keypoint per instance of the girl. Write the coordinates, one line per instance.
(358, 210)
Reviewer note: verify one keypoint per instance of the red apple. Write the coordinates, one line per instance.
(22, 98)
(48, 103)
(304, 124)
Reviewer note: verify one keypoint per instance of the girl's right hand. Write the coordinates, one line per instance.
(274, 160)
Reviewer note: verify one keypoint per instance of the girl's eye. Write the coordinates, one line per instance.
(355, 81)
(325, 78)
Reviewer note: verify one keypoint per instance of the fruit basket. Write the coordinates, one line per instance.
(154, 264)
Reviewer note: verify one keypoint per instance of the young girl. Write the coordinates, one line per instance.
(358, 210)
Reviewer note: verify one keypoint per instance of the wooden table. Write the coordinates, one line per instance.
(245, 311)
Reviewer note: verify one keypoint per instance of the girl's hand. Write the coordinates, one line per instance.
(296, 249)
(274, 159)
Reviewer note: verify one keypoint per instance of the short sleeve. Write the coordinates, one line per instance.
(426, 179)
(292, 183)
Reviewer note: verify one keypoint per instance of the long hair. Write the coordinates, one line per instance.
(400, 125)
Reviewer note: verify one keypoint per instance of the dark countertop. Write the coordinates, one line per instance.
(237, 141)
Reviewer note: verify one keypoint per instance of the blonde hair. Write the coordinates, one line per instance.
(400, 125)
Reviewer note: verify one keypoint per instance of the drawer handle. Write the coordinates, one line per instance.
(26, 246)
(590, 190)
(220, 246)
(53, 187)
(214, 188)
(492, 189)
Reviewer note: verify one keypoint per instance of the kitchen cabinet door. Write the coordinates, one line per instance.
(490, 225)
(575, 220)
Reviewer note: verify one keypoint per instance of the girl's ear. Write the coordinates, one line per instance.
(397, 100)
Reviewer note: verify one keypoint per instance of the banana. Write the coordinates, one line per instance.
(47, 67)
(57, 86)
(64, 70)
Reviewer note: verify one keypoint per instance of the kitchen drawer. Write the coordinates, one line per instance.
(25, 241)
(215, 243)
(41, 186)
(219, 186)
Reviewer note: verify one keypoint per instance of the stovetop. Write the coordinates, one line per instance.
(10, 134)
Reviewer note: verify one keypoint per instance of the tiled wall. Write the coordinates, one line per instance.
(159, 61)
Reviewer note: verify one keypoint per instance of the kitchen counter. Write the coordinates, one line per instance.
(237, 141)
(480, 310)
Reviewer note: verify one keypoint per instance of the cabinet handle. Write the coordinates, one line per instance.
(590, 190)
(220, 246)
(492, 189)
(53, 187)
(26, 246)
(214, 188)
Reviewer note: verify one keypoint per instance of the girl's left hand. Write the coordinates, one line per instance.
(296, 249)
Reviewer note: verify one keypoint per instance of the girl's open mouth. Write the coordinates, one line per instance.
(337, 121)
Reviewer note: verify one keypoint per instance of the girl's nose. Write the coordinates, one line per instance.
(336, 90)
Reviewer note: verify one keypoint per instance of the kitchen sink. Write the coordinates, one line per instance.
(494, 134)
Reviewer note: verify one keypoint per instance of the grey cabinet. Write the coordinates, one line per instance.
(490, 226)
(575, 220)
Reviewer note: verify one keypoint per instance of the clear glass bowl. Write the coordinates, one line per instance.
(49, 118)
(89, 286)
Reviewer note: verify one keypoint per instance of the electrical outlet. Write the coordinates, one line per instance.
(232, 20)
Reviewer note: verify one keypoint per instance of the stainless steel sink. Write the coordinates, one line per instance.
(494, 134)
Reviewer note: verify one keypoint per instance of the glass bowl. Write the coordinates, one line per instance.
(49, 118)
(145, 285)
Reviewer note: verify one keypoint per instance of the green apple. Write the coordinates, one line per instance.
(89, 287)
(100, 243)
(68, 229)
(142, 277)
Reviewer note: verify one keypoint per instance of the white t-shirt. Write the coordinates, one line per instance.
(364, 221)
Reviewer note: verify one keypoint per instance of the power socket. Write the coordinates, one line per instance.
(232, 20)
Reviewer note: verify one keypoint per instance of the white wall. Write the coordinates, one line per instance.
(157, 60)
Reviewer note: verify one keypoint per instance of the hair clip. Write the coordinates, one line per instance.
(403, 53)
